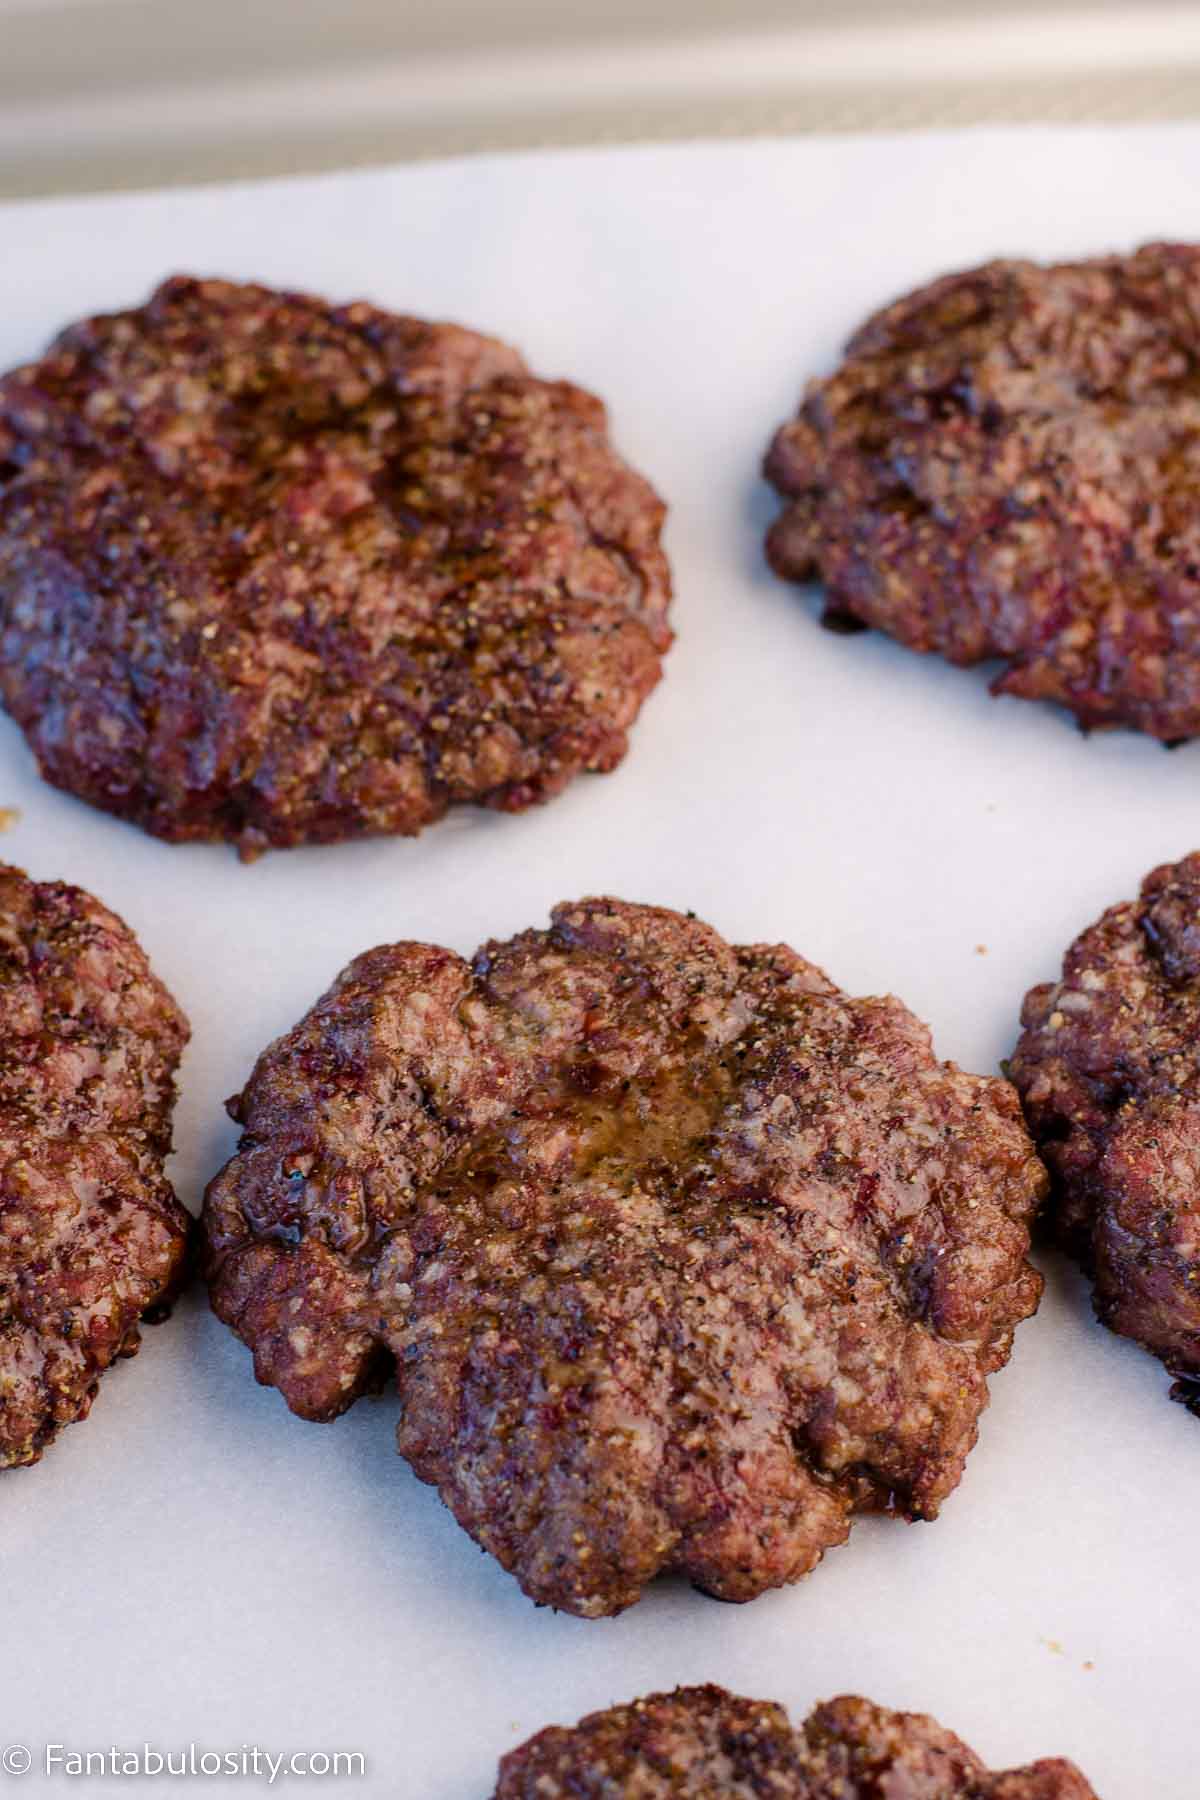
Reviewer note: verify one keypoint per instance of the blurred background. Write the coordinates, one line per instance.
(120, 93)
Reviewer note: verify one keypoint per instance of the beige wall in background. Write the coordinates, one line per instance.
(97, 93)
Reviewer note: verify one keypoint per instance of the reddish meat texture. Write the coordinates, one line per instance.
(702, 1743)
(681, 1256)
(1007, 465)
(1108, 1067)
(92, 1237)
(281, 572)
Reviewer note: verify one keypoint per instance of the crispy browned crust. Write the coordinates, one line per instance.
(282, 572)
(682, 1256)
(705, 1744)
(91, 1235)
(1108, 1066)
(1007, 465)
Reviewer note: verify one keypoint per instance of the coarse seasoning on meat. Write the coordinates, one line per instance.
(1108, 1067)
(681, 1257)
(1007, 465)
(91, 1236)
(282, 572)
(701, 1743)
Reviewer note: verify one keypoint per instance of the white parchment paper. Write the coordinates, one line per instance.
(196, 1566)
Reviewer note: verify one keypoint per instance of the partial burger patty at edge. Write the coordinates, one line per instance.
(705, 1744)
(1108, 1068)
(92, 1237)
(1007, 466)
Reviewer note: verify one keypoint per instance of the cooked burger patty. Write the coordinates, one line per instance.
(1007, 465)
(680, 1255)
(91, 1235)
(1108, 1066)
(706, 1744)
(282, 572)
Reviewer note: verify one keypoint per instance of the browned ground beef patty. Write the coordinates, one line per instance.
(1007, 464)
(1108, 1066)
(705, 1744)
(91, 1235)
(282, 572)
(681, 1256)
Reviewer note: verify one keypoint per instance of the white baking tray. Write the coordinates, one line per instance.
(195, 1566)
